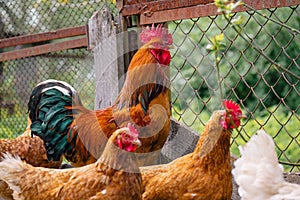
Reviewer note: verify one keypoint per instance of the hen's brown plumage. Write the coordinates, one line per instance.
(114, 176)
(203, 174)
(30, 149)
(5, 191)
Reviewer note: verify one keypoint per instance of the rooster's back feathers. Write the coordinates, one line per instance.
(51, 115)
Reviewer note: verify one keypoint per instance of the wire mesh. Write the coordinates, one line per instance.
(267, 94)
(21, 75)
(18, 77)
(36, 16)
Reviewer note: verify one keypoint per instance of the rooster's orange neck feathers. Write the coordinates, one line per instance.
(142, 57)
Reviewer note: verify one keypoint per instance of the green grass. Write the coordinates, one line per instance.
(12, 125)
(9, 130)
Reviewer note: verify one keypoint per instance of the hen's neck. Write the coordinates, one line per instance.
(213, 149)
(117, 159)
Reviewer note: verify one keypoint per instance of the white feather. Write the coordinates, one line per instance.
(258, 173)
(103, 191)
(11, 169)
(63, 90)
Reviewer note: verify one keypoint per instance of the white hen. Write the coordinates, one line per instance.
(258, 173)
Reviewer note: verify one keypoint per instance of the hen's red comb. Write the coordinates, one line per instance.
(232, 106)
(156, 32)
(233, 115)
(132, 130)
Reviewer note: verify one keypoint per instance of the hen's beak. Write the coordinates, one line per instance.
(137, 142)
(170, 46)
(242, 116)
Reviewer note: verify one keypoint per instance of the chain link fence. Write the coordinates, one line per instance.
(18, 77)
(268, 95)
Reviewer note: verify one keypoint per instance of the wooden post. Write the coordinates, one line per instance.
(107, 47)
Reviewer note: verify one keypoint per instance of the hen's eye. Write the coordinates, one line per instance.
(126, 137)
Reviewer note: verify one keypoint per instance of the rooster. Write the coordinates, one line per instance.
(68, 129)
(203, 174)
(27, 148)
(258, 173)
(115, 175)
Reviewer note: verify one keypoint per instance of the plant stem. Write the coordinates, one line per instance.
(219, 75)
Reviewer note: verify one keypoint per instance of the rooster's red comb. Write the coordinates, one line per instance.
(156, 32)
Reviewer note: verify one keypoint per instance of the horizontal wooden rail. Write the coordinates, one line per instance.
(205, 10)
(42, 49)
(40, 37)
(145, 7)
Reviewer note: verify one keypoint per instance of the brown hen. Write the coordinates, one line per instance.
(115, 176)
(30, 149)
(203, 174)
